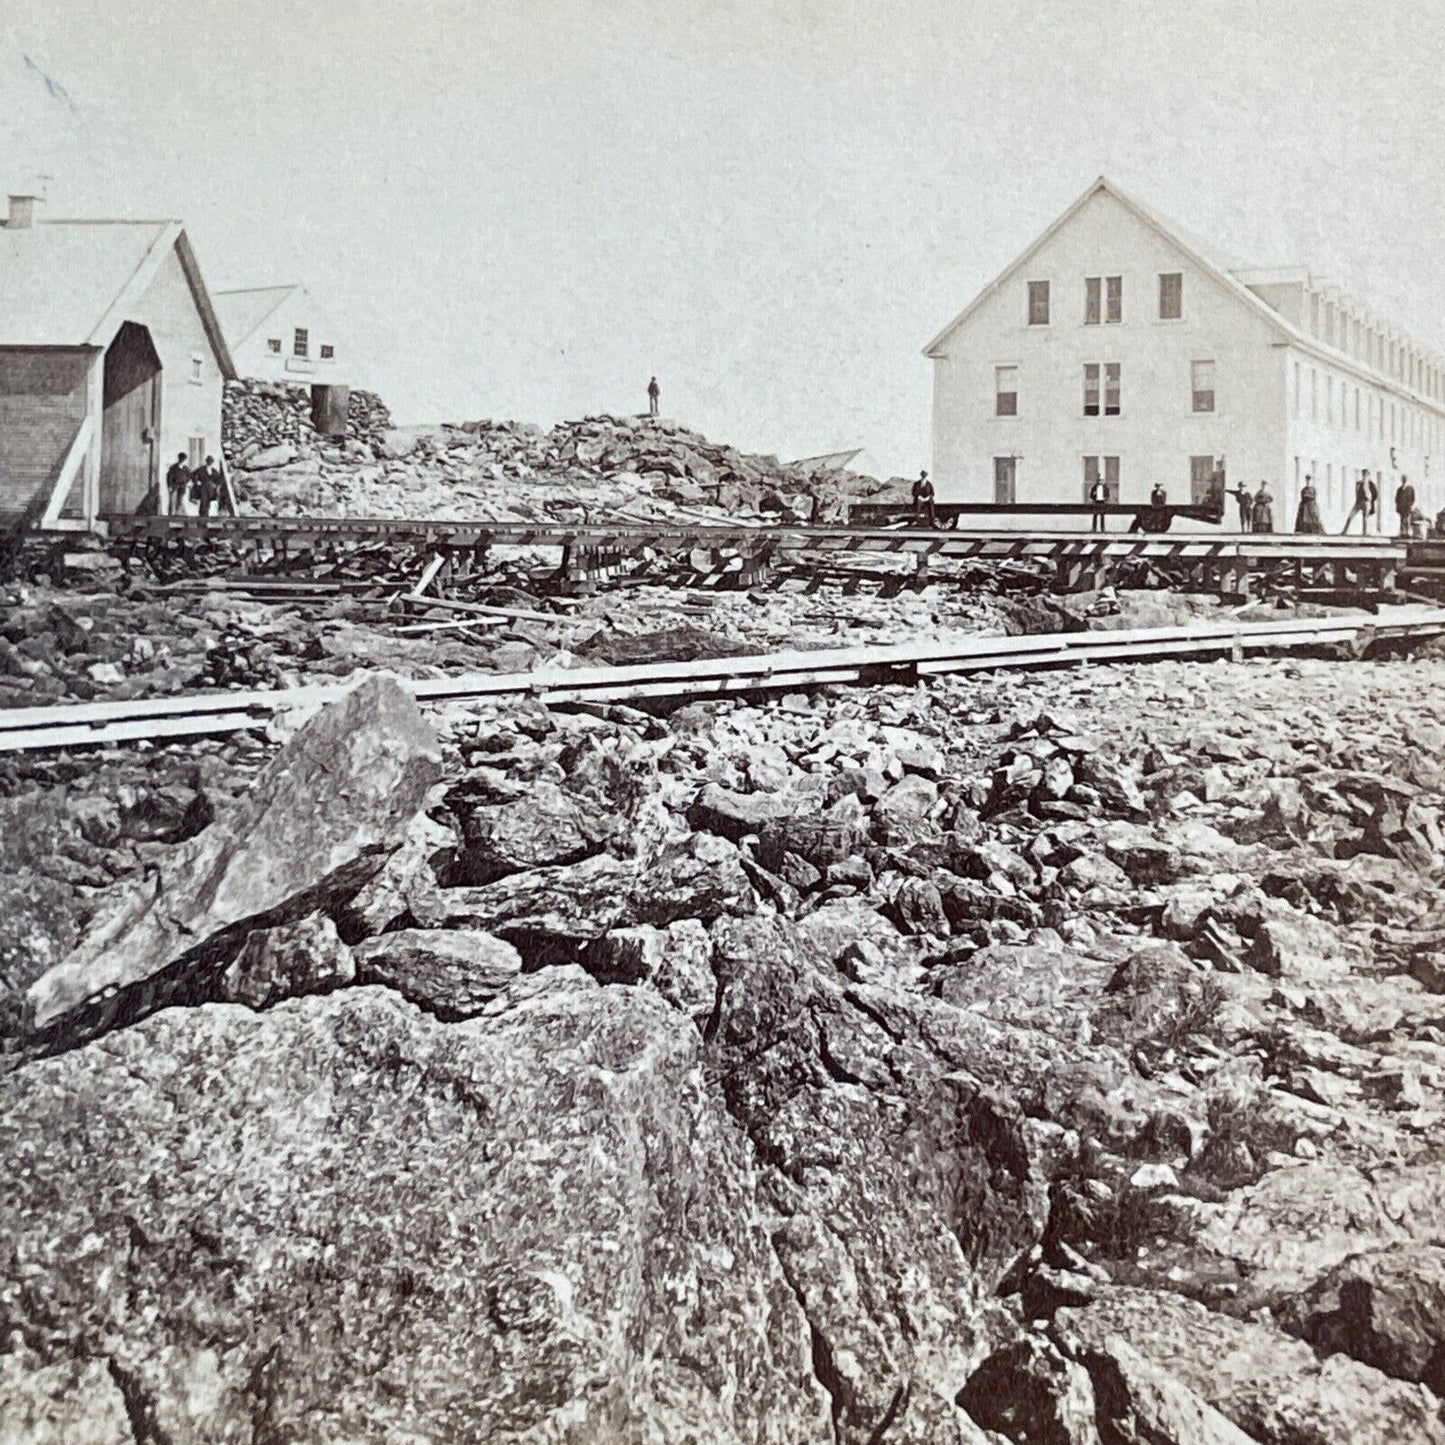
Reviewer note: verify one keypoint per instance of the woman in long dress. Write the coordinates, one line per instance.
(1263, 509)
(1307, 518)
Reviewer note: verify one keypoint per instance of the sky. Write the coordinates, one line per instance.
(525, 209)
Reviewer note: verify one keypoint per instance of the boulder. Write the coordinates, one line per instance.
(546, 827)
(1136, 1401)
(452, 973)
(319, 821)
(286, 961)
(675, 960)
(1383, 1307)
(342, 1219)
(1028, 1393)
(1268, 1384)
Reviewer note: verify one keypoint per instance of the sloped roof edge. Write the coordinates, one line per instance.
(171, 237)
(1144, 214)
(283, 295)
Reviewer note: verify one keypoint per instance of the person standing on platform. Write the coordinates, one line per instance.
(1099, 496)
(1263, 509)
(1307, 514)
(1404, 504)
(923, 509)
(654, 394)
(1362, 508)
(178, 478)
(1245, 498)
(203, 487)
(221, 489)
(1373, 516)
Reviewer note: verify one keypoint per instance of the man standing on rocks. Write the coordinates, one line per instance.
(654, 391)
(178, 477)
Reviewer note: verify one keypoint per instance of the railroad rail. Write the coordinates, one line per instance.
(1227, 562)
(209, 714)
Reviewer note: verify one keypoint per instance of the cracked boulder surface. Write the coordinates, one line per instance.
(1052, 1058)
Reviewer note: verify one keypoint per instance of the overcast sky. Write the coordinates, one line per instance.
(523, 209)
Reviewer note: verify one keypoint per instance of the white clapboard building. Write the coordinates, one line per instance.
(1117, 346)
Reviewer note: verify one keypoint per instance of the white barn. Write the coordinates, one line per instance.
(112, 363)
(1116, 346)
(279, 333)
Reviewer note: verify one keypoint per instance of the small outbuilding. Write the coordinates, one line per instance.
(112, 362)
(279, 333)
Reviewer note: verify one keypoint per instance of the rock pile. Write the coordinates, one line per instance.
(603, 465)
(259, 415)
(1026, 1058)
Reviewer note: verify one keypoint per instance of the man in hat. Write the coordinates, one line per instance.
(178, 477)
(654, 391)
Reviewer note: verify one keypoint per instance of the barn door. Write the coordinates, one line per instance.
(130, 421)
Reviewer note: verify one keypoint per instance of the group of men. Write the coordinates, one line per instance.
(204, 485)
(1367, 505)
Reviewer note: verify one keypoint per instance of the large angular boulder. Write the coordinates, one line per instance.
(452, 973)
(320, 820)
(1269, 1384)
(1384, 1307)
(341, 1219)
(284, 962)
(545, 828)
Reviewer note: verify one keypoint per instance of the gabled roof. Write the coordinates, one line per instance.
(1217, 268)
(1228, 275)
(71, 283)
(243, 312)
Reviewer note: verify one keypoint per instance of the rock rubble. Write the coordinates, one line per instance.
(1045, 1056)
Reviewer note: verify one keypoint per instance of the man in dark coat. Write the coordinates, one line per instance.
(1099, 497)
(654, 391)
(923, 501)
(178, 477)
(1245, 498)
(206, 487)
(1362, 507)
(1404, 504)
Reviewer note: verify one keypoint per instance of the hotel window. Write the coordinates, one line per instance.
(1108, 469)
(274, 346)
(1330, 323)
(1005, 391)
(1171, 295)
(1201, 384)
(198, 369)
(1314, 395)
(1038, 303)
(301, 344)
(328, 353)
(1296, 388)
(1110, 375)
(1113, 298)
(1005, 481)
(1357, 408)
(1201, 479)
(1314, 315)
(1093, 300)
(1329, 401)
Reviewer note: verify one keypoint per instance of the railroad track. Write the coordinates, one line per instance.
(163, 719)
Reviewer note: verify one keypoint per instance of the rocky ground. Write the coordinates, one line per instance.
(1056, 1059)
(1028, 1058)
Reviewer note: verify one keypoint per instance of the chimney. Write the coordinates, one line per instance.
(22, 213)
